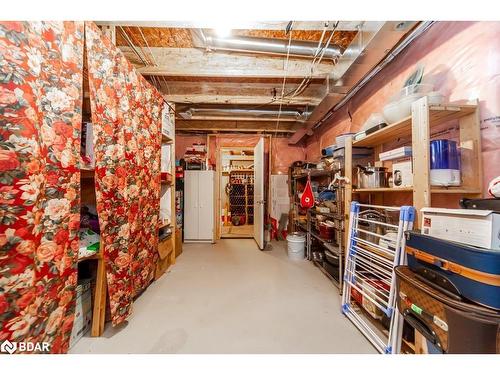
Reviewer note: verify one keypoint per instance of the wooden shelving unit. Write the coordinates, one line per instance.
(417, 129)
(87, 180)
(166, 246)
(241, 195)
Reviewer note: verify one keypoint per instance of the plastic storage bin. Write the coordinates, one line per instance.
(449, 325)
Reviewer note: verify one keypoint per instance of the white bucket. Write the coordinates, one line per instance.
(296, 246)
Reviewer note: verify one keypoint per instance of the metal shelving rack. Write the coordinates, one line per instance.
(335, 247)
(241, 194)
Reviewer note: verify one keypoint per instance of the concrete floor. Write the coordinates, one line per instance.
(233, 298)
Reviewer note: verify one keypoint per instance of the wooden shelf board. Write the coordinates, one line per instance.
(437, 115)
(238, 157)
(454, 190)
(166, 139)
(315, 173)
(163, 225)
(382, 190)
(95, 256)
(434, 190)
(87, 173)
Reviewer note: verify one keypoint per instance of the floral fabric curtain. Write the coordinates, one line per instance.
(126, 113)
(40, 120)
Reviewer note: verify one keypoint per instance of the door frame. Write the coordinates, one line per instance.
(268, 164)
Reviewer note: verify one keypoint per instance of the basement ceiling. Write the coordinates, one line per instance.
(219, 88)
(181, 37)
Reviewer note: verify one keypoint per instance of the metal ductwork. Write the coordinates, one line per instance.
(243, 114)
(373, 42)
(261, 45)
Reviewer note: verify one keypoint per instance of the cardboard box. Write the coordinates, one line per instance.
(479, 228)
(402, 174)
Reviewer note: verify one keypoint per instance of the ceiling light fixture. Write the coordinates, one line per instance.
(223, 31)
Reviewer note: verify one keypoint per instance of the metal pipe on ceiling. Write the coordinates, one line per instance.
(414, 34)
(193, 113)
(261, 45)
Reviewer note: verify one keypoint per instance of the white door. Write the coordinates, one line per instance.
(259, 203)
(206, 205)
(191, 222)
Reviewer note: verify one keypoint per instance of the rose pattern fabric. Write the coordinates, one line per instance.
(40, 118)
(126, 113)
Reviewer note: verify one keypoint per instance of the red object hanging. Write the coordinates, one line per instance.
(307, 199)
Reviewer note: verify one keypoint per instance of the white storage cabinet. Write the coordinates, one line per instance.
(199, 206)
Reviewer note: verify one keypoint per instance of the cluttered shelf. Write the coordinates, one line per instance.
(328, 214)
(325, 272)
(314, 173)
(402, 128)
(95, 256)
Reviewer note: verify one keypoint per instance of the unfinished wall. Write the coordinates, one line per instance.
(282, 154)
(461, 59)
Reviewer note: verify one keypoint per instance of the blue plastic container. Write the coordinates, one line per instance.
(445, 163)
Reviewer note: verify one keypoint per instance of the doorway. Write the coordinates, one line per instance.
(236, 192)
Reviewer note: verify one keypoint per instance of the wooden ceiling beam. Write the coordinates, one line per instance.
(237, 126)
(193, 62)
(263, 25)
(237, 93)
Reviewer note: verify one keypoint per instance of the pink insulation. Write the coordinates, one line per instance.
(182, 142)
(282, 154)
(461, 59)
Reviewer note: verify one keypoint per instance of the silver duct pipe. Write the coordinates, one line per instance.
(264, 114)
(261, 45)
(414, 34)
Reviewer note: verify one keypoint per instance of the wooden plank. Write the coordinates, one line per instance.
(383, 190)
(172, 186)
(198, 63)
(470, 152)
(99, 310)
(242, 25)
(389, 133)
(200, 91)
(421, 157)
(403, 128)
(348, 185)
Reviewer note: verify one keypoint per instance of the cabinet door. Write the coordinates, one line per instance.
(206, 205)
(191, 187)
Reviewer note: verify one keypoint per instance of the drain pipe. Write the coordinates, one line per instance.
(419, 30)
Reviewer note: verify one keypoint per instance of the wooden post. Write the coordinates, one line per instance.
(347, 185)
(470, 152)
(172, 186)
(99, 313)
(421, 157)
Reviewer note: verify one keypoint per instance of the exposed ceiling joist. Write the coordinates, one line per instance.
(369, 47)
(236, 93)
(236, 126)
(264, 25)
(197, 63)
